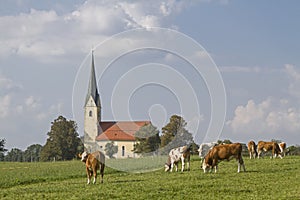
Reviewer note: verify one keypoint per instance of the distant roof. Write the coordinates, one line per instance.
(120, 131)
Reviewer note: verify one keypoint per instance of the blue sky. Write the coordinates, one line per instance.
(254, 44)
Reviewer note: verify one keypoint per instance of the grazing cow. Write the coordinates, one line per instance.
(252, 149)
(93, 162)
(268, 146)
(223, 152)
(181, 153)
(282, 147)
(204, 148)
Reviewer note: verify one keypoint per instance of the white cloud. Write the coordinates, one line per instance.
(45, 34)
(32, 103)
(294, 78)
(8, 84)
(267, 118)
(5, 102)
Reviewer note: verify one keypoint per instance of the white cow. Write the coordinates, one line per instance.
(177, 154)
(205, 147)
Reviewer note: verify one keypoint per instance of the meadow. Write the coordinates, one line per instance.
(264, 179)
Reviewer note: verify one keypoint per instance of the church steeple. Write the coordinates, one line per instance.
(92, 89)
(92, 111)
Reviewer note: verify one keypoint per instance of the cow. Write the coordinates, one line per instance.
(282, 147)
(223, 152)
(252, 149)
(93, 162)
(204, 149)
(181, 153)
(268, 146)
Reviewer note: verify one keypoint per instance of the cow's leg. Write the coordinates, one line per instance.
(214, 165)
(258, 154)
(241, 162)
(273, 154)
(182, 164)
(216, 168)
(95, 174)
(88, 175)
(172, 165)
(176, 167)
(102, 171)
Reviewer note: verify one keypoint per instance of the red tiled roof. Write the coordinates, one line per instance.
(120, 131)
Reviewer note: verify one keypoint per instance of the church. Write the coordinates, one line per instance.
(98, 133)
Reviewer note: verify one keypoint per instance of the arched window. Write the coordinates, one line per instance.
(91, 113)
(123, 150)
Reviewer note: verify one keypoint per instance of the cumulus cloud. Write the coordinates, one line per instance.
(45, 33)
(294, 80)
(268, 117)
(13, 102)
(5, 102)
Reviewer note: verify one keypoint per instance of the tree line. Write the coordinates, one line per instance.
(64, 143)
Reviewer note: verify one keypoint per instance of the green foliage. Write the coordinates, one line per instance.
(63, 141)
(226, 141)
(264, 179)
(2, 149)
(32, 153)
(15, 155)
(111, 149)
(194, 149)
(293, 150)
(148, 140)
(2, 143)
(174, 134)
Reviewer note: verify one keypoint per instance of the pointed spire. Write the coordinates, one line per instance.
(92, 89)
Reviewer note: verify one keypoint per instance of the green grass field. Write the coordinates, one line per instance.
(265, 179)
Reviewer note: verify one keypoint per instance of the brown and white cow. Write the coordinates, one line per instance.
(268, 146)
(282, 147)
(223, 152)
(181, 153)
(252, 149)
(93, 162)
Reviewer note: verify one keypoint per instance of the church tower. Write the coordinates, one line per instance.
(92, 112)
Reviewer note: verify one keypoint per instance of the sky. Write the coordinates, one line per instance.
(231, 68)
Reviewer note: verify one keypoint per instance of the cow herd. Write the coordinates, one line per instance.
(277, 149)
(210, 154)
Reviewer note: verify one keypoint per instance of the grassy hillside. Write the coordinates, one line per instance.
(265, 179)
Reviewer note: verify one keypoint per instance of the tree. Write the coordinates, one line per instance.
(111, 149)
(227, 141)
(2, 149)
(194, 148)
(174, 134)
(32, 153)
(147, 140)
(63, 141)
(15, 155)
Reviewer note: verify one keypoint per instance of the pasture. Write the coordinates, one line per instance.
(265, 179)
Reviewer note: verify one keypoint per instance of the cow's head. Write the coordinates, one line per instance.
(84, 156)
(206, 164)
(205, 167)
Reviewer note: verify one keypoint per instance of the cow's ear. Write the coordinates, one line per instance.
(79, 155)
